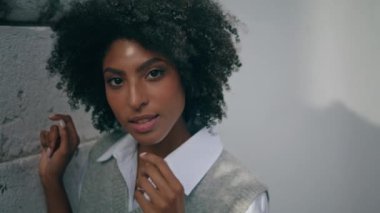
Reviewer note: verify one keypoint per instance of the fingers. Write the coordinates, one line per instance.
(143, 202)
(44, 142)
(164, 170)
(65, 146)
(159, 184)
(58, 144)
(67, 123)
(53, 138)
(152, 177)
(144, 185)
(154, 184)
(62, 137)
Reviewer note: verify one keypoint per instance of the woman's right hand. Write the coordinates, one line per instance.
(58, 146)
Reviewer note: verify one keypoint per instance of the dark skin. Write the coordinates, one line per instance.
(58, 145)
(167, 196)
(145, 94)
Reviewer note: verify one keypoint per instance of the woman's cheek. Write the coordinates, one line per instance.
(115, 105)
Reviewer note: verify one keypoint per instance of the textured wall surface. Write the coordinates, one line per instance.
(32, 12)
(20, 188)
(27, 96)
(303, 113)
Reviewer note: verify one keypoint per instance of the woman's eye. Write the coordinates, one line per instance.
(154, 74)
(115, 82)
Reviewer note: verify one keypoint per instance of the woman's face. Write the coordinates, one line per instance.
(143, 90)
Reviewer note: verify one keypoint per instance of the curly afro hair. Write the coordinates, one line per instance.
(196, 35)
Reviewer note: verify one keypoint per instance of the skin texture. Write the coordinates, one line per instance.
(167, 195)
(58, 145)
(198, 36)
(138, 82)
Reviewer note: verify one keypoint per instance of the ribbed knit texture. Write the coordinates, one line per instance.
(226, 187)
(103, 188)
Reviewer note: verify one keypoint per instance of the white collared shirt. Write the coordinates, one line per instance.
(203, 148)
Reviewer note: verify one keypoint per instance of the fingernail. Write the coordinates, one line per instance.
(139, 189)
(62, 123)
(51, 115)
(143, 154)
(48, 152)
(151, 182)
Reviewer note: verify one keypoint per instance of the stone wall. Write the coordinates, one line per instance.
(27, 96)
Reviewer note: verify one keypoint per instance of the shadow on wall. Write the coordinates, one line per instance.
(36, 13)
(328, 158)
(4, 9)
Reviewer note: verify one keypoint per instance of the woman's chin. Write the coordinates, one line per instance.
(147, 139)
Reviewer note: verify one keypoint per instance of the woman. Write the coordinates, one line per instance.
(155, 70)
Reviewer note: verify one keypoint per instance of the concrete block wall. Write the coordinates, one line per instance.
(27, 96)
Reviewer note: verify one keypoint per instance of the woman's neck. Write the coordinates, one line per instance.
(175, 138)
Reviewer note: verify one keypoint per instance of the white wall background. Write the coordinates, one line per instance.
(303, 112)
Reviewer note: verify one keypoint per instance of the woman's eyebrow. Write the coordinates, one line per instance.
(141, 68)
(114, 71)
(149, 63)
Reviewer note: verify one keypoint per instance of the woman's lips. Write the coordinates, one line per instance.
(143, 124)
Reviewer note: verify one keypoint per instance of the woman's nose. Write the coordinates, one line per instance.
(137, 97)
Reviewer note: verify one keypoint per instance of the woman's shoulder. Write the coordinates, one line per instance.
(228, 180)
(229, 167)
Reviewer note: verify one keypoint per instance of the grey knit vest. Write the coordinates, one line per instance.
(227, 186)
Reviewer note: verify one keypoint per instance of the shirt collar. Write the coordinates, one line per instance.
(189, 162)
(125, 152)
(124, 147)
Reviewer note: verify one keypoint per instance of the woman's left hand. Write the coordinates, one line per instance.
(157, 181)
